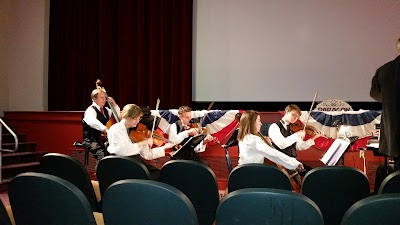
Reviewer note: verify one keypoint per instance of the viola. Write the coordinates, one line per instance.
(142, 133)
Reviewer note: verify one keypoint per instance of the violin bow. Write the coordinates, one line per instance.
(309, 112)
(205, 114)
(155, 118)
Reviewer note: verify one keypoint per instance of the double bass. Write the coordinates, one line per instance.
(114, 119)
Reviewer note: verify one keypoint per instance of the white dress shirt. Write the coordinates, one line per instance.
(120, 144)
(252, 149)
(282, 142)
(90, 116)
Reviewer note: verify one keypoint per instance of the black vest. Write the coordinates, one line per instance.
(89, 132)
(291, 150)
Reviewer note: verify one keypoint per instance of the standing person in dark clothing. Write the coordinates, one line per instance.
(385, 87)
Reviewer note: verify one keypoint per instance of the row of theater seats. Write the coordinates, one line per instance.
(328, 193)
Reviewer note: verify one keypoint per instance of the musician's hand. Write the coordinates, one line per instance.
(208, 138)
(168, 145)
(149, 142)
(301, 134)
(300, 167)
(317, 135)
(112, 101)
(193, 132)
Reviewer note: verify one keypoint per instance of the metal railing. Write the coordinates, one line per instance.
(2, 123)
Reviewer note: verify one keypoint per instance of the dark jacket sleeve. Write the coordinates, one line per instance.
(375, 91)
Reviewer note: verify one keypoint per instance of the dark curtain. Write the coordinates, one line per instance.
(140, 49)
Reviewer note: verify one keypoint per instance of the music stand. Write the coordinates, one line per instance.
(232, 141)
(337, 151)
(352, 140)
(190, 144)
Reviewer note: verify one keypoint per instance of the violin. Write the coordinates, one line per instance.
(298, 125)
(295, 185)
(142, 133)
(201, 130)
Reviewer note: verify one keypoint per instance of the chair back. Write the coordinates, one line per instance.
(255, 175)
(334, 189)
(4, 217)
(391, 184)
(72, 170)
(38, 198)
(143, 202)
(114, 168)
(373, 210)
(198, 182)
(267, 206)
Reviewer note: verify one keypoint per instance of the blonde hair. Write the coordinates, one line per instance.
(132, 111)
(247, 124)
(95, 93)
(291, 108)
(184, 109)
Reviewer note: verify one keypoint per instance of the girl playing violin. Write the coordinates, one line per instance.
(253, 148)
(120, 143)
(287, 141)
(181, 131)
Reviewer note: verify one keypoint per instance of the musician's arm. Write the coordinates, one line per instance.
(375, 91)
(176, 137)
(90, 118)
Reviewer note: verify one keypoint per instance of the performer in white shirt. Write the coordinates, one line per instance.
(94, 123)
(180, 132)
(120, 143)
(289, 142)
(253, 148)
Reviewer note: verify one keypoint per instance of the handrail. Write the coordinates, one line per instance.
(12, 133)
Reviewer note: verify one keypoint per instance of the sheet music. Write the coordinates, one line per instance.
(335, 152)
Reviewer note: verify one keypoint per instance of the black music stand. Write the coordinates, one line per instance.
(190, 144)
(232, 141)
(353, 140)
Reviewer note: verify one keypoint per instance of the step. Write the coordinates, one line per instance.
(13, 170)
(22, 146)
(21, 157)
(8, 138)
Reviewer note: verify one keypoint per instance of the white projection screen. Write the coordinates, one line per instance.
(286, 50)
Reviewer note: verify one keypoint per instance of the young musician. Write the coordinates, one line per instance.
(180, 132)
(253, 148)
(121, 144)
(94, 123)
(286, 141)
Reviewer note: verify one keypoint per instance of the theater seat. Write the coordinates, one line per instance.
(267, 206)
(145, 202)
(39, 199)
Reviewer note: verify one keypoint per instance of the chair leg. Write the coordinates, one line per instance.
(86, 159)
(228, 159)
